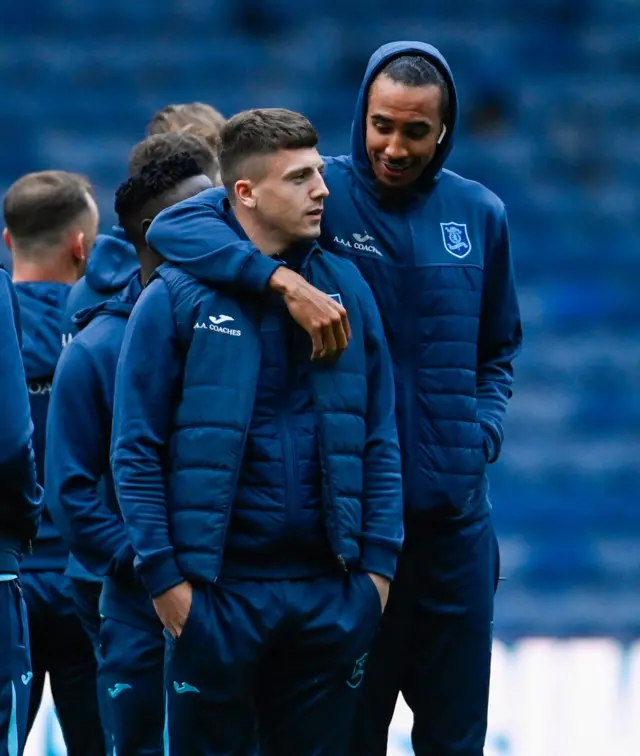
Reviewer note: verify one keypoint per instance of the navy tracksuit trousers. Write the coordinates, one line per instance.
(15, 669)
(434, 642)
(274, 665)
(132, 682)
(86, 598)
(60, 646)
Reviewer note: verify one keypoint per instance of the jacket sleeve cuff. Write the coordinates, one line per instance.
(381, 560)
(160, 577)
(491, 448)
(257, 271)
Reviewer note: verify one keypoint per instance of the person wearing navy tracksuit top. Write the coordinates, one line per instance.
(261, 490)
(79, 479)
(111, 265)
(51, 222)
(113, 261)
(434, 247)
(21, 506)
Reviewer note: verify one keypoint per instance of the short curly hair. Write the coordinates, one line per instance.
(155, 178)
(163, 146)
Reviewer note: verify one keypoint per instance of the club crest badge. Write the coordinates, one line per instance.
(358, 672)
(456, 239)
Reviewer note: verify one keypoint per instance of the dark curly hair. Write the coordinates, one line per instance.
(153, 181)
(162, 146)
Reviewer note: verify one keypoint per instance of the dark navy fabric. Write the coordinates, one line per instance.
(179, 435)
(439, 264)
(276, 526)
(15, 669)
(113, 262)
(21, 501)
(41, 308)
(79, 483)
(285, 658)
(61, 648)
(131, 680)
(434, 641)
(86, 597)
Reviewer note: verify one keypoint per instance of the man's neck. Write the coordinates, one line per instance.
(268, 241)
(49, 272)
(149, 261)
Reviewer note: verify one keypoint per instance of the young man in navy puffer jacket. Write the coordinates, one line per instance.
(261, 488)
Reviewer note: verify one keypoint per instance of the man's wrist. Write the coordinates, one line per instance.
(283, 280)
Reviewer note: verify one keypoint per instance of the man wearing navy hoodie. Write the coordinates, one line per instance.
(434, 247)
(79, 484)
(113, 262)
(261, 489)
(51, 222)
(20, 511)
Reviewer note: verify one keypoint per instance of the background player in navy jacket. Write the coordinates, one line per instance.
(20, 510)
(79, 483)
(434, 248)
(113, 261)
(261, 490)
(51, 222)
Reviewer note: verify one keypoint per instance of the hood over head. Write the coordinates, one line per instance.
(380, 58)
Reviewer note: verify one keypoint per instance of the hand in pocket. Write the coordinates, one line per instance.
(173, 607)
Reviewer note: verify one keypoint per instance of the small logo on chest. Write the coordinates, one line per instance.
(215, 325)
(360, 243)
(456, 239)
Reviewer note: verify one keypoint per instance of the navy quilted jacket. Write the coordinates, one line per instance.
(439, 265)
(186, 388)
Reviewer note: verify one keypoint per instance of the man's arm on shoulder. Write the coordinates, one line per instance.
(77, 457)
(146, 387)
(383, 531)
(195, 235)
(21, 501)
(500, 337)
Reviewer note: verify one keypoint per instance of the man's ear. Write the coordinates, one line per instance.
(144, 227)
(77, 245)
(6, 238)
(244, 193)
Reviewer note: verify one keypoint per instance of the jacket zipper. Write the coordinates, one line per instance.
(289, 456)
(291, 498)
(410, 356)
(285, 418)
(328, 498)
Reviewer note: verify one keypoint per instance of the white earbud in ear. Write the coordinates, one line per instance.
(442, 134)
